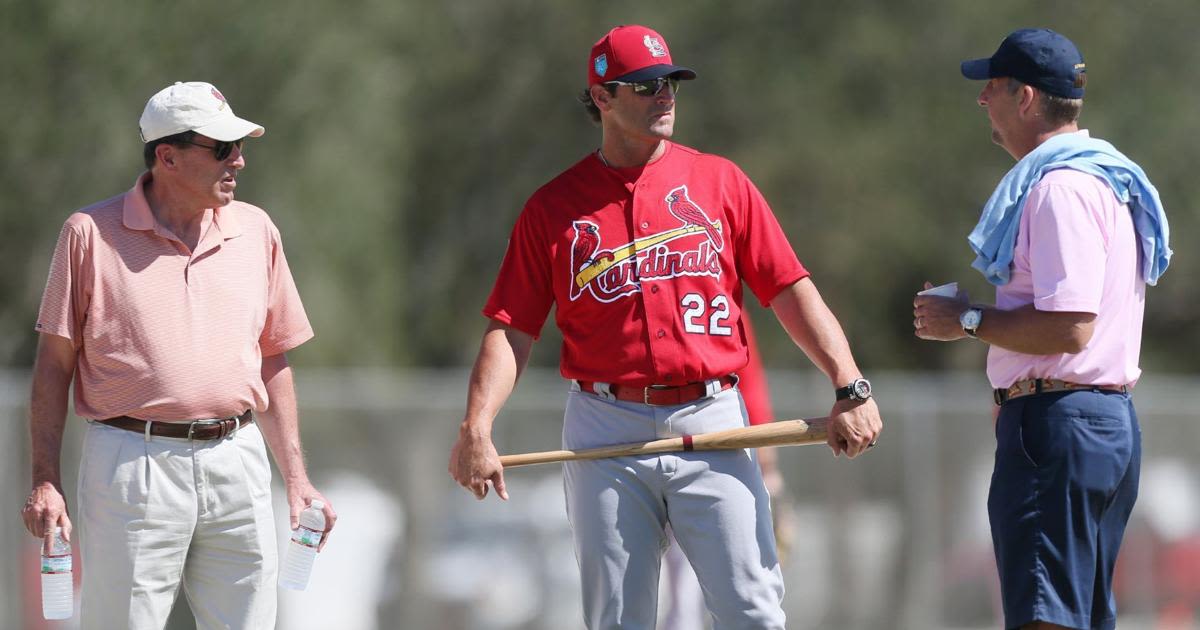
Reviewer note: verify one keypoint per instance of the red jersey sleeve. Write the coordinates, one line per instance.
(765, 259)
(752, 382)
(524, 293)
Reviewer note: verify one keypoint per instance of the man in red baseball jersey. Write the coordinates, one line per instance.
(641, 248)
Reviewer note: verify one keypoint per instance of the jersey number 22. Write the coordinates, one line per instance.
(694, 311)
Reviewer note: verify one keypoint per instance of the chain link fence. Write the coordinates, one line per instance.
(896, 539)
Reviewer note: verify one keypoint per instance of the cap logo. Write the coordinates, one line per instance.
(655, 47)
(1080, 75)
(217, 95)
(601, 65)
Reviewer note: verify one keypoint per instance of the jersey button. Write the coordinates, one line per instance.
(661, 333)
(645, 225)
(654, 288)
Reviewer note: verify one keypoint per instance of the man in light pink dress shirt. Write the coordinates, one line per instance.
(172, 307)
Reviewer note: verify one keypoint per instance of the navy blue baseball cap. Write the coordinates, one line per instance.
(1034, 56)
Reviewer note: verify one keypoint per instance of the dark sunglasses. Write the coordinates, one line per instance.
(651, 87)
(222, 149)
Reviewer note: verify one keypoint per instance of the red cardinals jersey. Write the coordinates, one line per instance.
(644, 267)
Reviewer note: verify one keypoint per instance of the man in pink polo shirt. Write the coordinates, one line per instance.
(172, 307)
(1071, 237)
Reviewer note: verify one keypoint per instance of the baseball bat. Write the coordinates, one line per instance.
(781, 433)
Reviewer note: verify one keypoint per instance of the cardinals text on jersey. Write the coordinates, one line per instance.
(610, 274)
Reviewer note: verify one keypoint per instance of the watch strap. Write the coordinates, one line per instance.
(848, 392)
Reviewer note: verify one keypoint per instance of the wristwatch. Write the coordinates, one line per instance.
(859, 389)
(970, 320)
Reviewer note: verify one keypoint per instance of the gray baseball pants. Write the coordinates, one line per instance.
(715, 502)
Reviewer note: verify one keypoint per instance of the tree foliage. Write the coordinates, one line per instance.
(403, 138)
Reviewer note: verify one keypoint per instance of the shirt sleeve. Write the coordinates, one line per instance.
(753, 381)
(1067, 248)
(286, 325)
(68, 291)
(765, 259)
(523, 293)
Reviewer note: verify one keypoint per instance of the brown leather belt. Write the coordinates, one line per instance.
(214, 429)
(1031, 386)
(659, 395)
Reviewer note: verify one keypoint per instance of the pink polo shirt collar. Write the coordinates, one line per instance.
(136, 215)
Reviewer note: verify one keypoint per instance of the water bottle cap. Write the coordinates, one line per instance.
(57, 531)
(317, 505)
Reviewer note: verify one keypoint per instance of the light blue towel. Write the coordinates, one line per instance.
(995, 237)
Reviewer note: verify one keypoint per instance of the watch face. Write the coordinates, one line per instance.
(970, 319)
(862, 389)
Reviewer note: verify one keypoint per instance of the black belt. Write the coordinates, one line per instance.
(214, 429)
(1031, 386)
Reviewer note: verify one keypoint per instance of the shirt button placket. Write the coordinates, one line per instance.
(642, 230)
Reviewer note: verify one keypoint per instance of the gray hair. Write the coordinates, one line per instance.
(1057, 110)
(149, 150)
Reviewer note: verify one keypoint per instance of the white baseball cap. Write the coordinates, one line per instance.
(194, 106)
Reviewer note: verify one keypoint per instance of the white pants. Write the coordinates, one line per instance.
(164, 512)
(715, 502)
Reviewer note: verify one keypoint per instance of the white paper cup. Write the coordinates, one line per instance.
(945, 290)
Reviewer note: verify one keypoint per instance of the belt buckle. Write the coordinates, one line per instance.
(192, 425)
(646, 393)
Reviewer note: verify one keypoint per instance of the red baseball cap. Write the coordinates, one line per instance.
(632, 53)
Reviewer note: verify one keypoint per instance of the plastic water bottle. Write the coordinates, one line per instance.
(298, 562)
(58, 591)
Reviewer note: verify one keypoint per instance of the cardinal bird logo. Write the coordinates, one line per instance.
(587, 241)
(687, 211)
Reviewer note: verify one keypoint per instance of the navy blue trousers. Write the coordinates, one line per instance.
(1064, 484)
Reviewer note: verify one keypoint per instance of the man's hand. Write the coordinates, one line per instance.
(783, 510)
(783, 522)
(474, 462)
(936, 318)
(853, 426)
(300, 494)
(44, 510)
